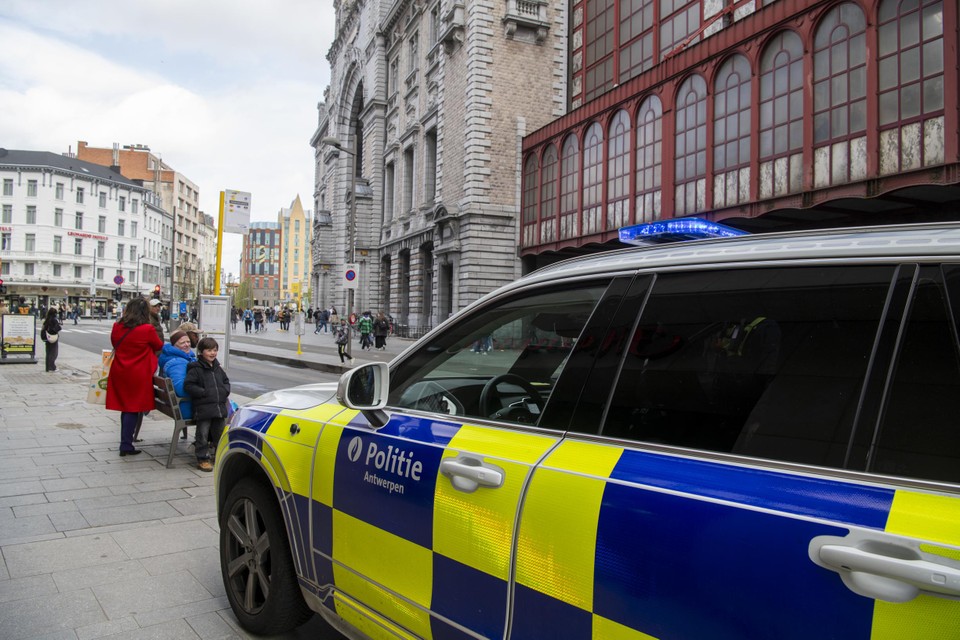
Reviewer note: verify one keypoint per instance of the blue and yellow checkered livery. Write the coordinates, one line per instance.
(582, 539)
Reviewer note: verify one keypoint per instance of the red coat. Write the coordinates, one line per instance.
(130, 382)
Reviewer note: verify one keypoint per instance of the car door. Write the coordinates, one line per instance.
(414, 521)
(741, 485)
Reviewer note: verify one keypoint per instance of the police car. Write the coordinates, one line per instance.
(743, 437)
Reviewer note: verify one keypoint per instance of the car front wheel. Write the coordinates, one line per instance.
(256, 564)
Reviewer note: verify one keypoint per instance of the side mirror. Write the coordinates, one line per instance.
(366, 388)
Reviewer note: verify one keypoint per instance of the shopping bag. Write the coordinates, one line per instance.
(97, 388)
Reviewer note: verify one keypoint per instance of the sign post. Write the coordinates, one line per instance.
(215, 322)
(19, 336)
(234, 218)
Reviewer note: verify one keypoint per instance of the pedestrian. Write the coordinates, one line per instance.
(130, 381)
(334, 318)
(381, 328)
(76, 314)
(155, 306)
(258, 320)
(247, 320)
(208, 386)
(234, 316)
(342, 337)
(50, 335)
(174, 358)
(366, 328)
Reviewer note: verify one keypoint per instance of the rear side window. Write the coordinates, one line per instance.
(760, 362)
(919, 435)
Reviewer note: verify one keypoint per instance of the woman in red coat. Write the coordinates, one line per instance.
(130, 382)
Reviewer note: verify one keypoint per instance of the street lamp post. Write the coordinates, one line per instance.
(351, 223)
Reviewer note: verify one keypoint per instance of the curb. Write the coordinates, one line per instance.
(291, 361)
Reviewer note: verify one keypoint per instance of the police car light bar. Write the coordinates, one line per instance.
(676, 230)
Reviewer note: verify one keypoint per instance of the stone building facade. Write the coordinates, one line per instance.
(429, 102)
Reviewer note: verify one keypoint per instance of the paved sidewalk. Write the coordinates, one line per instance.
(94, 545)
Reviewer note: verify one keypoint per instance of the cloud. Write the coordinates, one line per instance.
(225, 92)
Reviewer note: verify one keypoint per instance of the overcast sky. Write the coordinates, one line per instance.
(224, 91)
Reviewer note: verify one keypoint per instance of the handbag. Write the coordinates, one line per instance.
(53, 337)
(97, 387)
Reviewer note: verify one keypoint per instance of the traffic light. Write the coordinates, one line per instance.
(117, 293)
(156, 292)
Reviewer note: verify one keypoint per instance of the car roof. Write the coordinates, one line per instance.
(934, 239)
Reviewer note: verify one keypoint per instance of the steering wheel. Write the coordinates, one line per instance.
(490, 391)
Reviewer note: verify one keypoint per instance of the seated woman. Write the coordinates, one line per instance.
(174, 358)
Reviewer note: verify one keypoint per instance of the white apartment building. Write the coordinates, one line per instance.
(429, 102)
(73, 232)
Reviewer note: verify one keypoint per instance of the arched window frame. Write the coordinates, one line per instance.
(911, 84)
(781, 115)
(549, 166)
(618, 170)
(591, 221)
(649, 159)
(731, 132)
(570, 187)
(690, 146)
(528, 214)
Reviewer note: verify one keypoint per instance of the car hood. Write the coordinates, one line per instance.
(297, 398)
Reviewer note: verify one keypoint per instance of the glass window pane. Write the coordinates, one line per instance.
(858, 83)
(909, 29)
(933, 95)
(887, 38)
(932, 58)
(889, 68)
(910, 66)
(796, 135)
(839, 90)
(838, 121)
(858, 50)
(821, 64)
(858, 116)
(821, 127)
(888, 107)
(838, 57)
(766, 143)
(910, 101)
(821, 95)
(932, 21)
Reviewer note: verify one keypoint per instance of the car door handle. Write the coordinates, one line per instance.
(468, 473)
(889, 572)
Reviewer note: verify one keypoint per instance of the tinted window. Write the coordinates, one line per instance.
(500, 362)
(919, 436)
(762, 362)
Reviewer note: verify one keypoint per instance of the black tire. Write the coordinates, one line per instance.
(256, 564)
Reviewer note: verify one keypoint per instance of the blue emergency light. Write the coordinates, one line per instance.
(676, 230)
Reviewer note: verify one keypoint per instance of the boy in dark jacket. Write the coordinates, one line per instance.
(209, 388)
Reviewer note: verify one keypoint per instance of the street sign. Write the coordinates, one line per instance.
(351, 275)
(118, 279)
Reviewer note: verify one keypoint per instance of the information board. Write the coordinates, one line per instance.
(215, 322)
(19, 338)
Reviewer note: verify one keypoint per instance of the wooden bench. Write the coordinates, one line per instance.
(168, 404)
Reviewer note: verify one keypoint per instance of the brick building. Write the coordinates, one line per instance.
(773, 114)
(430, 102)
(260, 262)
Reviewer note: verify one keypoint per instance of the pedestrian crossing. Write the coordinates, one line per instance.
(105, 331)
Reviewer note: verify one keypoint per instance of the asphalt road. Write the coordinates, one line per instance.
(248, 377)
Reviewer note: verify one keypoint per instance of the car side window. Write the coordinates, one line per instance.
(919, 434)
(501, 361)
(765, 362)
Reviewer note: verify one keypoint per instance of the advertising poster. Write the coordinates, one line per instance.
(19, 335)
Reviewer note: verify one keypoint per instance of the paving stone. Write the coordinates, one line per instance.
(210, 626)
(25, 588)
(78, 494)
(86, 577)
(69, 521)
(43, 509)
(63, 484)
(108, 629)
(182, 611)
(195, 506)
(19, 488)
(48, 614)
(18, 528)
(175, 495)
(61, 555)
(150, 594)
(128, 513)
(104, 502)
(166, 539)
